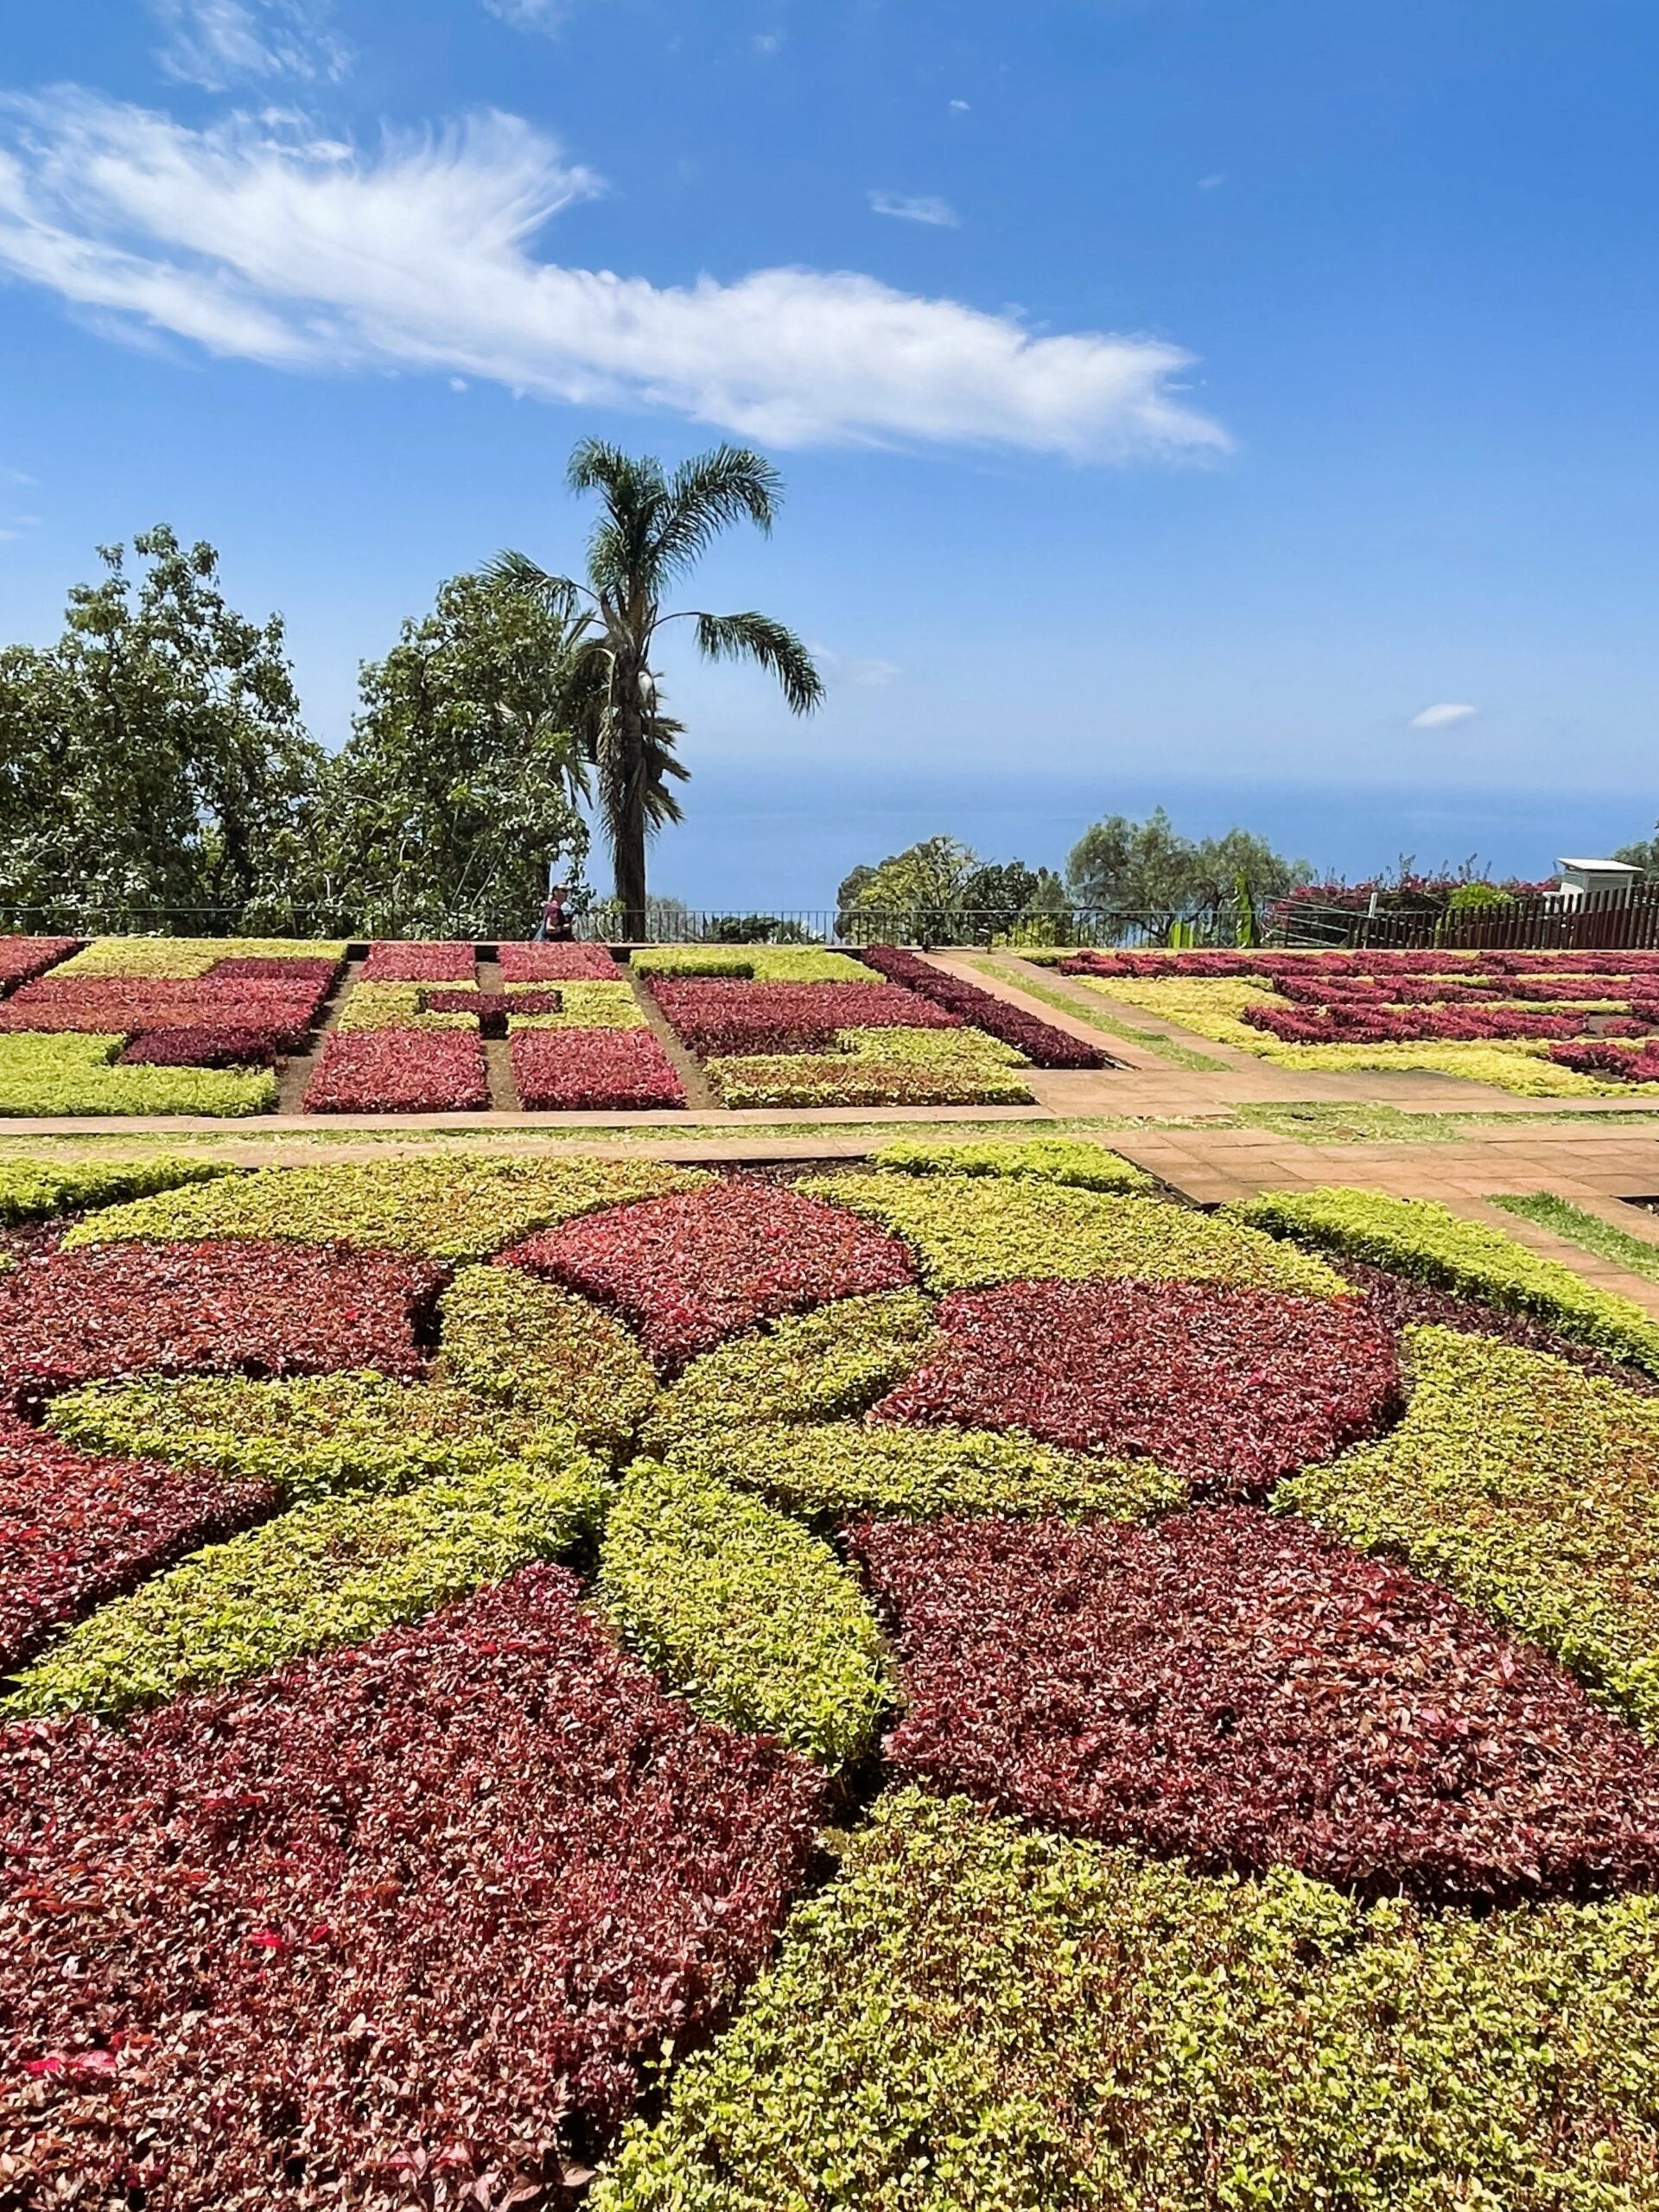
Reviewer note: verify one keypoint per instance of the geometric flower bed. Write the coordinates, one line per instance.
(592, 1071)
(449, 1596)
(398, 1071)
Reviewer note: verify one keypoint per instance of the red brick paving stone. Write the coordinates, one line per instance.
(236, 1306)
(1240, 1690)
(401, 1926)
(690, 1270)
(1230, 1389)
(75, 1531)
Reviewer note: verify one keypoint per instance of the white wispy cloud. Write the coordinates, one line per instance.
(1443, 717)
(922, 207)
(217, 43)
(256, 239)
(1210, 183)
(528, 14)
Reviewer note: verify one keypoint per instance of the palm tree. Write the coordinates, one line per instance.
(651, 531)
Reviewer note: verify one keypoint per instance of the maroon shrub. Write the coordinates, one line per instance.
(557, 963)
(1396, 1302)
(394, 961)
(594, 1070)
(690, 1270)
(1042, 1045)
(22, 958)
(1230, 1389)
(273, 969)
(205, 1046)
(1241, 1690)
(239, 1306)
(399, 1071)
(713, 1016)
(74, 1531)
(398, 1927)
(1607, 1059)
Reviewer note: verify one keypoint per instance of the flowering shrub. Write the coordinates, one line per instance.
(202, 1046)
(1042, 1045)
(1211, 1688)
(449, 1209)
(459, 1884)
(719, 1018)
(689, 1271)
(544, 1353)
(75, 1531)
(22, 958)
(758, 1621)
(975, 1230)
(1230, 1389)
(177, 1308)
(51, 1075)
(556, 964)
(30, 1190)
(390, 962)
(1430, 1241)
(1527, 1488)
(599, 1071)
(582, 1006)
(1049, 2022)
(1084, 1165)
(335, 1572)
(400, 1072)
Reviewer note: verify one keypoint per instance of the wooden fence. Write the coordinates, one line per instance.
(1605, 921)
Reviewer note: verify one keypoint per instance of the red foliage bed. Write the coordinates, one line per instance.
(594, 1070)
(399, 1071)
(1042, 1045)
(393, 961)
(557, 963)
(711, 1016)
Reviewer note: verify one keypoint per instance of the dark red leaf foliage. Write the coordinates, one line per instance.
(690, 1270)
(1042, 1045)
(395, 961)
(394, 1927)
(1241, 1690)
(399, 1071)
(208, 1047)
(239, 1306)
(74, 1531)
(284, 1009)
(557, 963)
(594, 1070)
(273, 968)
(1231, 1389)
(22, 958)
(712, 1016)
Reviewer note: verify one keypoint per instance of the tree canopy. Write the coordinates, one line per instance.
(1120, 868)
(941, 892)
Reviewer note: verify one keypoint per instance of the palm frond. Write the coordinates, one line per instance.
(708, 494)
(512, 571)
(777, 650)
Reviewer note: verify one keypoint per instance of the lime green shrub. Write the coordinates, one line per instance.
(182, 958)
(762, 963)
(976, 2018)
(1043, 1159)
(546, 1352)
(1529, 1488)
(32, 1190)
(757, 1623)
(1638, 1255)
(970, 1230)
(449, 1209)
(330, 1573)
(398, 1006)
(585, 1006)
(1419, 1238)
(313, 1435)
(65, 1072)
(876, 1067)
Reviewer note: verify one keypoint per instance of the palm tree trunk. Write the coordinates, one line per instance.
(630, 853)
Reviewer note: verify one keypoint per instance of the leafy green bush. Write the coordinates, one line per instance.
(862, 1079)
(32, 1190)
(763, 963)
(449, 1209)
(397, 1006)
(509, 1336)
(312, 1435)
(331, 1573)
(756, 1622)
(1417, 1237)
(975, 2018)
(971, 1231)
(1529, 1487)
(585, 1006)
(65, 1073)
(182, 958)
(1043, 1159)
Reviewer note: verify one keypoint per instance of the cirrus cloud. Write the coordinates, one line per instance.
(1443, 715)
(258, 239)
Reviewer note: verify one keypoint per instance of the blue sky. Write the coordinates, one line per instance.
(1181, 401)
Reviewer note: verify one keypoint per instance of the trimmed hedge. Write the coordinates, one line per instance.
(32, 1189)
(337, 1571)
(762, 963)
(592, 1071)
(877, 1067)
(714, 1018)
(449, 1209)
(546, 1352)
(184, 956)
(971, 1231)
(312, 1436)
(757, 1623)
(401, 1071)
(44, 1073)
(1430, 1241)
(1043, 1159)
(1529, 1488)
(976, 2018)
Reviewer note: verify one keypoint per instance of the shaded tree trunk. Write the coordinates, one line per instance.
(629, 854)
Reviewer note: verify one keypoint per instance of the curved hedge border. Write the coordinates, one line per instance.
(332, 1573)
(1043, 1159)
(1420, 1238)
(449, 1209)
(976, 2017)
(32, 1190)
(973, 1230)
(757, 1623)
(1529, 1488)
(544, 1352)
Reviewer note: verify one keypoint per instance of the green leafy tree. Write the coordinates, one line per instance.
(940, 892)
(155, 758)
(1147, 871)
(460, 782)
(651, 531)
(1643, 855)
